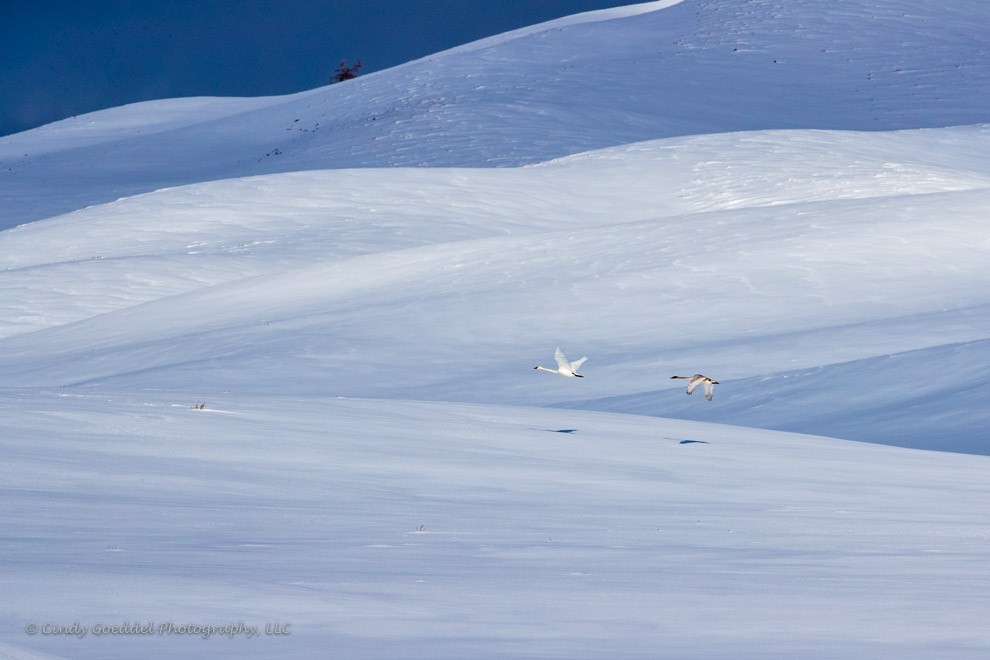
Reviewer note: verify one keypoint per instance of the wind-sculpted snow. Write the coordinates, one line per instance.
(849, 247)
(696, 67)
(176, 240)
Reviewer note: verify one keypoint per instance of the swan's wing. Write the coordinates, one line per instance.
(577, 364)
(691, 385)
(709, 389)
(562, 362)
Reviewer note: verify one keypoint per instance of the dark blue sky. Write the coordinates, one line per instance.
(60, 58)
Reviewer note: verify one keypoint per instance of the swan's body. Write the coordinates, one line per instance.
(564, 368)
(698, 379)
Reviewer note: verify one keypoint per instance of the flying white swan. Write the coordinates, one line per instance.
(564, 368)
(698, 379)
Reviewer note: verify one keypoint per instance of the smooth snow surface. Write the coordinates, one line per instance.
(383, 529)
(270, 361)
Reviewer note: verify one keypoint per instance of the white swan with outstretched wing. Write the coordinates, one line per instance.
(564, 368)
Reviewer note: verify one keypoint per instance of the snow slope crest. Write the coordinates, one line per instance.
(653, 71)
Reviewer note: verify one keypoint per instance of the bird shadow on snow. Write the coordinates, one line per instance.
(680, 442)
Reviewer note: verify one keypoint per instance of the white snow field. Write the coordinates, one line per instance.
(266, 365)
(387, 528)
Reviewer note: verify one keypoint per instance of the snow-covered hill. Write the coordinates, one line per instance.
(745, 254)
(271, 360)
(612, 78)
